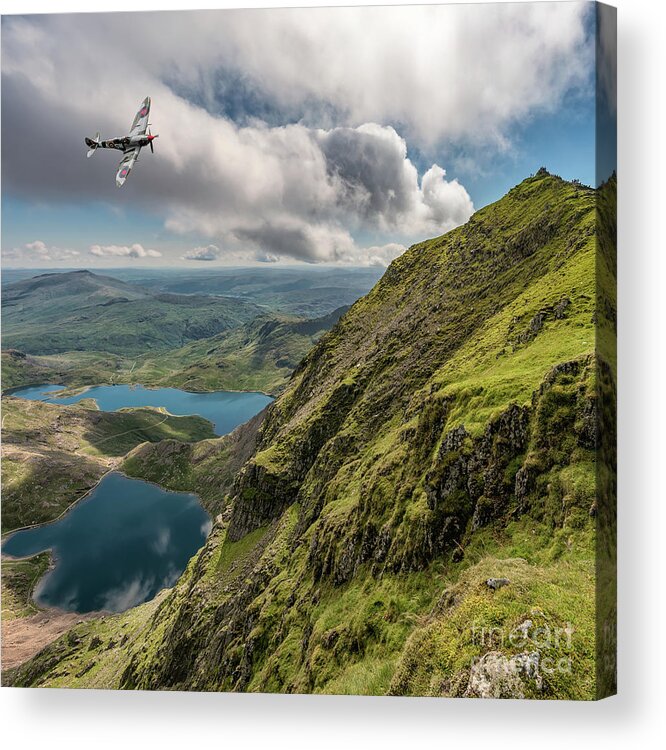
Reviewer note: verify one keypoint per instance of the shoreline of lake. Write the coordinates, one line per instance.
(225, 410)
(169, 566)
(82, 388)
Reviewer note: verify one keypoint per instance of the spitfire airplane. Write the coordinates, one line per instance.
(130, 144)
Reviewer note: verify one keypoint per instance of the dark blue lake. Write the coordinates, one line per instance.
(225, 409)
(116, 548)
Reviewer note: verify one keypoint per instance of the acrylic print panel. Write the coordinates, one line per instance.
(309, 369)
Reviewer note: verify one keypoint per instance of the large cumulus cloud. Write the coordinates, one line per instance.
(328, 172)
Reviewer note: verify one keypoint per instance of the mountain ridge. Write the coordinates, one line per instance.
(95, 312)
(79, 281)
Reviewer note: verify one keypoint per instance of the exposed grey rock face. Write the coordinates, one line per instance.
(556, 312)
(561, 307)
(470, 482)
(264, 492)
(497, 676)
(524, 628)
(497, 583)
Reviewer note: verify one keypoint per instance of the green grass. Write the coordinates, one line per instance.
(410, 634)
(18, 369)
(488, 371)
(258, 356)
(18, 580)
(80, 310)
(230, 552)
(93, 654)
(206, 467)
(54, 454)
(554, 590)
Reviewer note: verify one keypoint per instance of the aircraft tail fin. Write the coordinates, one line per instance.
(93, 145)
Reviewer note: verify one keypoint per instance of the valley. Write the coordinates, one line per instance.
(259, 355)
(61, 441)
(84, 311)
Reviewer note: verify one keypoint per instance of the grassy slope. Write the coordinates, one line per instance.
(208, 466)
(19, 369)
(259, 355)
(362, 532)
(56, 313)
(18, 580)
(54, 454)
(109, 643)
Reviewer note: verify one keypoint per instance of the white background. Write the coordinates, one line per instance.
(73, 719)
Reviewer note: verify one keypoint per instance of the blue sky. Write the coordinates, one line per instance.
(285, 151)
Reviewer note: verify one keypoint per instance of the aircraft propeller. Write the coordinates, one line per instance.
(151, 138)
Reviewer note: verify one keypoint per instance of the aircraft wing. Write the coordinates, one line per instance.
(140, 122)
(126, 164)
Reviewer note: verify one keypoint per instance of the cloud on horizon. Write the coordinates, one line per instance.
(124, 251)
(38, 251)
(210, 252)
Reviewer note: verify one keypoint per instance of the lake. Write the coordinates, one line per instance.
(225, 409)
(116, 548)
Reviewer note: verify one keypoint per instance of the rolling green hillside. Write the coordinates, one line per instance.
(209, 465)
(424, 488)
(256, 356)
(52, 455)
(20, 369)
(311, 290)
(260, 355)
(83, 311)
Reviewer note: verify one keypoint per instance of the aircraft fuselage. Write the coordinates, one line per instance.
(122, 143)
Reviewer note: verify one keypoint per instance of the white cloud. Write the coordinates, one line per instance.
(38, 251)
(124, 251)
(128, 595)
(301, 193)
(210, 252)
(441, 74)
(444, 72)
(38, 246)
(378, 255)
(452, 71)
(266, 257)
(162, 542)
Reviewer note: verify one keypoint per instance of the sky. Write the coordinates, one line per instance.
(325, 135)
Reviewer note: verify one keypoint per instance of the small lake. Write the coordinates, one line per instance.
(225, 409)
(116, 548)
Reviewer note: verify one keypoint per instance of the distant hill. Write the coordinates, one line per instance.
(83, 288)
(304, 291)
(85, 311)
(260, 355)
